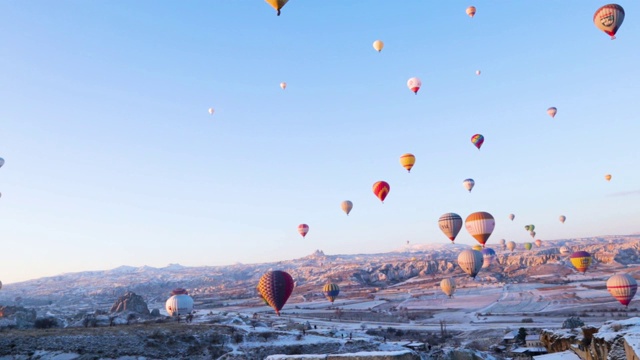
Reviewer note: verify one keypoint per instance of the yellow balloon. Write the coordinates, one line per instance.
(378, 45)
(607, 177)
(407, 160)
(277, 4)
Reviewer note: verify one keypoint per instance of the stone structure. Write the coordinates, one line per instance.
(130, 302)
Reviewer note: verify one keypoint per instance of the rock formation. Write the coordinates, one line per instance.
(130, 302)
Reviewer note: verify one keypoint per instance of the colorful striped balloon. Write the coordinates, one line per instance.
(470, 261)
(477, 140)
(581, 260)
(407, 160)
(303, 229)
(450, 224)
(276, 287)
(480, 225)
(609, 18)
(381, 190)
(623, 287)
(331, 291)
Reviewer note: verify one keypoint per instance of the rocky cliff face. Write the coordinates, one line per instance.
(614, 340)
(130, 302)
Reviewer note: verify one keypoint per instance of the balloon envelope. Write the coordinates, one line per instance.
(414, 84)
(283, 85)
(448, 286)
(407, 161)
(276, 287)
(511, 245)
(211, 111)
(606, 177)
(478, 72)
(480, 225)
(181, 304)
(477, 247)
(623, 287)
(277, 4)
(470, 261)
(528, 246)
(608, 18)
(346, 206)
(331, 291)
(1, 162)
(468, 184)
(450, 224)
(581, 260)
(511, 217)
(538, 242)
(552, 111)
(471, 11)
(378, 45)
(488, 255)
(303, 229)
(381, 190)
(562, 218)
(477, 140)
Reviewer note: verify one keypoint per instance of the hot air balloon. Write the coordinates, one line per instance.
(562, 218)
(346, 206)
(528, 246)
(283, 85)
(532, 227)
(414, 84)
(606, 177)
(381, 190)
(477, 140)
(470, 261)
(1, 162)
(450, 224)
(471, 11)
(477, 247)
(211, 111)
(378, 45)
(407, 160)
(448, 286)
(581, 260)
(477, 72)
(331, 291)
(480, 225)
(180, 303)
(468, 184)
(277, 4)
(488, 255)
(623, 287)
(303, 229)
(0, 284)
(276, 287)
(532, 233)
(564, 251)
(503, 243)
(609, 18)
(511, 245)
(552, 111)
(527, 227)
(511, 217)
(538, 242)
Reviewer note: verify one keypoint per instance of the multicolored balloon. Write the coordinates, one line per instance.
(303, 229)
(532, 233)
(478, 72)
(581, 260)
(562, 218)
(511, 217)
(477, 140)
(276, 287)
(407, 160)
(477, 247)
(608, 18)
(283, 85)
(468, 184)
(538, 242)
(331, 291)
(277, 4)
(381, 190)
(528, 246)
(623, 287)
(480, 225)
(471, 11)
(552, 111)
(448, 286)
(346, 206)
(450, 224)
(378, 45)
(607, 177)
(414, 84)
(470, 261)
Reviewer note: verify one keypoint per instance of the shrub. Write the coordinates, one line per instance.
(527, 320)
(45, 323)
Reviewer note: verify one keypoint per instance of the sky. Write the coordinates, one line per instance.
(111, 156)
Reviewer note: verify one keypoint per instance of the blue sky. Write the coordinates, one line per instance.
(112, 158)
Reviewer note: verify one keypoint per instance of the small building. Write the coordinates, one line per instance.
(533, 341)
(527, 352)
(510, 337)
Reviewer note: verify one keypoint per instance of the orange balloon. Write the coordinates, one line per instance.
(381, 190)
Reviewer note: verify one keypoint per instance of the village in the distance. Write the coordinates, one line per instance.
(525, 304)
